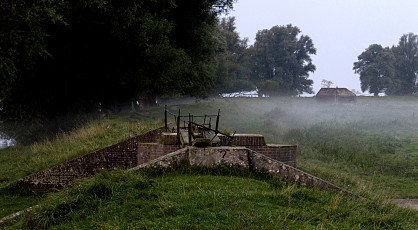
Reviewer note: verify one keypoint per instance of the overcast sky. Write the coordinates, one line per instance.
(340, 29)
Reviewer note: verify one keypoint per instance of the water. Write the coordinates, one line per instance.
(5, 143)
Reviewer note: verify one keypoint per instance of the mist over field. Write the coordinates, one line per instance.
(372, 142)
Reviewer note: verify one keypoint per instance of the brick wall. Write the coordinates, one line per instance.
(123, 155)
(244, 140)
(151, 151)
(282, 153)
(256, 142)
(139, 150)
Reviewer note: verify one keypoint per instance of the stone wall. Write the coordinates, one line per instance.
(239, 157)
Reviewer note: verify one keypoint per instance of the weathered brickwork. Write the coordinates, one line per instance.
(256, 142)
(244, 140)
(121, 155)
(282, 153)
(142, 149)
(170, 139)
(151, 151)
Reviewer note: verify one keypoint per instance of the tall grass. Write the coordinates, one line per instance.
(19, 161)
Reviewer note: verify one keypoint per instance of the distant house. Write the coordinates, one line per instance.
(335, 95)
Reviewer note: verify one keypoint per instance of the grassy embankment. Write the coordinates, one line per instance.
(354, 146)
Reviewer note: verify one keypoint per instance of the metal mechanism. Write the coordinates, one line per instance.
(192, 132)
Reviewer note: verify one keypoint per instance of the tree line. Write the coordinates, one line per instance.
(278, 64)
(393, 70)
(61, 59)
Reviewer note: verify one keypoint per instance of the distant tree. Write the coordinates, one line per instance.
(232, 63)
(280, 54)
(326, 83)
(406, 65)
(269, 88)
(375, 67)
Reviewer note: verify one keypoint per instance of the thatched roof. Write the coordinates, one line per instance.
(341, 92)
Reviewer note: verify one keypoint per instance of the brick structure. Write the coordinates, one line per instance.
(151, 151)
(121, 155)
(282, 153)
(256, 142)
(139, 150)
(242, 158)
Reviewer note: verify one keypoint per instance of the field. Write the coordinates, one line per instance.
(369, 148)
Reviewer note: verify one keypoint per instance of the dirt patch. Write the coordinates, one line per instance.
(406, 203)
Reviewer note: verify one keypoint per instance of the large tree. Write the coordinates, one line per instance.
(59, 58)
(375, 67)
(406, 65)
(282, 55)
(232, 63)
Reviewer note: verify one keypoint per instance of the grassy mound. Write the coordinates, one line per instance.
(206, 199)
(369, 148)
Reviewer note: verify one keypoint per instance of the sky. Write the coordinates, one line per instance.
(340, 29)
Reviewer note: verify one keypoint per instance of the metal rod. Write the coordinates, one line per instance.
(202, 116)
(206, 128)
(230, 139)
(178, 127)
(190, 131)
(165, 118)
(217, 120)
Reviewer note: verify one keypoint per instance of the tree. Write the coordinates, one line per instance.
(326, 83)
(375, 67)
(62, 58)
(282, 55)
(406, 65)
(232, 63)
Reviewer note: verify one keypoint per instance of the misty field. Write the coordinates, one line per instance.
(369, 148)
(371, 145)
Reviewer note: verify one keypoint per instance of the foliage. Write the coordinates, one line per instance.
(282, 55)
(406, 65)
(60, 58)
(393, 71)
(232, 67)
(375, 66)
(269, 88)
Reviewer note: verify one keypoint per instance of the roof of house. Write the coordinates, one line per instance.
(344, 92)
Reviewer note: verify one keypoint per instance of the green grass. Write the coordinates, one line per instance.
(349, 145)
(207, 199)
(19, 161)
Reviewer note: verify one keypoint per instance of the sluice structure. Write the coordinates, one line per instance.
(193, 140)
